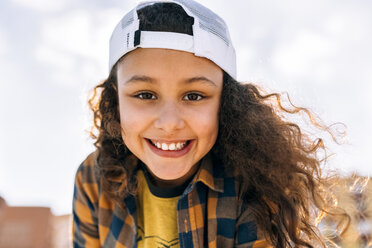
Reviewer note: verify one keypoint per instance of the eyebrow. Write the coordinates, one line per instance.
(138, 78)
(201, 79)
(142, 78)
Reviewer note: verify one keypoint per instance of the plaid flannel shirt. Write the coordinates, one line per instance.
(210, 213)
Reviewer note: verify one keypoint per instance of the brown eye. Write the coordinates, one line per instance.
(146, 96)
(193, 97)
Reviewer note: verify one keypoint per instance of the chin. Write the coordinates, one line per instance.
(168, 176)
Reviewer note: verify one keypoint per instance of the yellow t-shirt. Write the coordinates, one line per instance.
(157, 218)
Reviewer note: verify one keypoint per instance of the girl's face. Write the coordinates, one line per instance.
(169, 102)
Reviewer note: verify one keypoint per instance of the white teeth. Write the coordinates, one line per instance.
(171, 146)
(164, 147)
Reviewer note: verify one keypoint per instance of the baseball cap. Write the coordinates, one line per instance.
(210, 39)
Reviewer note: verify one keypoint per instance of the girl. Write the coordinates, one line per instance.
(186, 155)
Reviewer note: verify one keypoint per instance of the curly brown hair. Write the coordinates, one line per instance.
(276, 162)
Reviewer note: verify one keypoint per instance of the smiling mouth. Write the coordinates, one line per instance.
(174, 146)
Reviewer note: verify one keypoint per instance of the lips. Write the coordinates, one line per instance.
(170, 149)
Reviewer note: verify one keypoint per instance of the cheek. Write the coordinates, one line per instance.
(205, 123)
(132, 119)
(209, 127)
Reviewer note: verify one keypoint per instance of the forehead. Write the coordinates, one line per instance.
(167, 64)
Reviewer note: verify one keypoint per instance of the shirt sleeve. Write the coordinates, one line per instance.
(85, 207)
(247, 234)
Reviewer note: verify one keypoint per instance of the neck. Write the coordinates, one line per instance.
(161, 183)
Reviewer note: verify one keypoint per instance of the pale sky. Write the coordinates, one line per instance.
(53, 52)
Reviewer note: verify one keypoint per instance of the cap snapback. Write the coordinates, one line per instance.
(210, 39)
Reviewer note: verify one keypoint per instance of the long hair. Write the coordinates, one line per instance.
(278, 165)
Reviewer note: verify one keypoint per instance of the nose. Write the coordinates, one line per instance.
(169, 118)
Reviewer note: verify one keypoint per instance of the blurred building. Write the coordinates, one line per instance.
(33, 227)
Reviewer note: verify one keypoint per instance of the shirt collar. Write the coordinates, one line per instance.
(208, 174)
